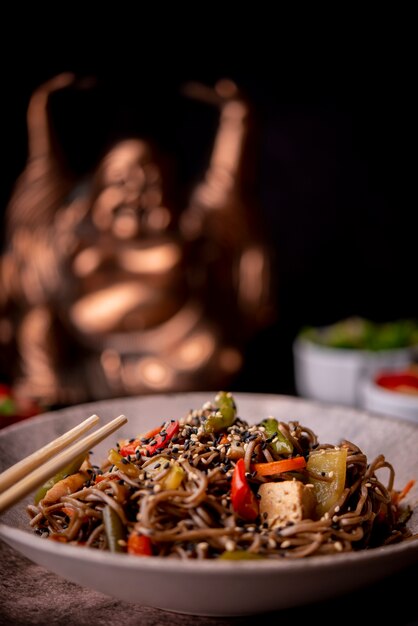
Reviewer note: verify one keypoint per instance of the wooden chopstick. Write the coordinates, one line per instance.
(22, 468)
(42, 473)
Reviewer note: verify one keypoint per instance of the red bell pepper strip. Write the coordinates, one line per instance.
(100, 477)
(244, 501)
(140, 545)
(131, 446)
(161, 440)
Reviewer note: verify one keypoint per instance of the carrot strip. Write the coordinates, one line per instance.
(398, 496)
(277, 467)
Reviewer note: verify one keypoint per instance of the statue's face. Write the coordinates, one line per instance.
(128, 193)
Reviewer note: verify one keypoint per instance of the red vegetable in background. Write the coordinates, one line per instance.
(14, 408)
(244, 501)
(405, 381)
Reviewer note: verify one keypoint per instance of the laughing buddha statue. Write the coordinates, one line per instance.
(112, 290)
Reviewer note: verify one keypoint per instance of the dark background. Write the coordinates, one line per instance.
(336, 181)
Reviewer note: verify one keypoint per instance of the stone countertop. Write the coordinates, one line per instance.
(29, 595)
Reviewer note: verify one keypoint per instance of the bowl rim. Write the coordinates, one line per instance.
(305, 344)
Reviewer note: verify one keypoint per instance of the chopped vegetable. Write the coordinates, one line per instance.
(161, 440)
(277, 467)
(101, 477)
(170, 480)
(114, 528)
(140, 545)
(68, 470)
(327, 473)
(174, 477)
(244, 501)
(224, 415)
(66, 486)
(122, 463)
(240, 555)
(279, 445)
(397, 496)
(130, 448)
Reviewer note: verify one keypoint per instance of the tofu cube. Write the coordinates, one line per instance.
(286, 502)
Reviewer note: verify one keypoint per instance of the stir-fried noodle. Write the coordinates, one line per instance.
(210, 485)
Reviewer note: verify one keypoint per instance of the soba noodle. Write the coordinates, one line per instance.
(191, 514)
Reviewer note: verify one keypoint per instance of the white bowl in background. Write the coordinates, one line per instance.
(380, 399)
(336, 375)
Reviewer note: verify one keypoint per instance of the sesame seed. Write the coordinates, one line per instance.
(285, 544)
(157, 488)
(339, 546)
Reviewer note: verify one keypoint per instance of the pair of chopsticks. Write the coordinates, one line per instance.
(31, 472)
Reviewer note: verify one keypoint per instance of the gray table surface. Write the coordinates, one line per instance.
(31, 595)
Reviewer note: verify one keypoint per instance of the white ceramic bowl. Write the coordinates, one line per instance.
(335, 375)
(213, 587)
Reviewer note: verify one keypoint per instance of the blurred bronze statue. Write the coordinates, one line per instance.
(112, 290)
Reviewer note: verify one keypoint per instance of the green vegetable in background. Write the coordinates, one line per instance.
(362, 334)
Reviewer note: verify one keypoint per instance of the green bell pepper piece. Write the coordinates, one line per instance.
(239, 555)
(114, 528)
(282, 445)
(224, 415)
